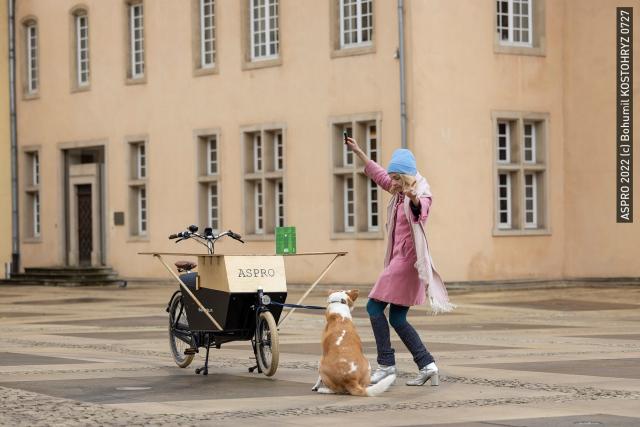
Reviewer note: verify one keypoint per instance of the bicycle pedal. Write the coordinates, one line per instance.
(191, 351)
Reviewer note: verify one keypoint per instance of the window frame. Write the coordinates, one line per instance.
(32, 204)
(268, 42)
(203, 28)
(31, 58)
(133, 75)
(79, 50)
(138, 183)
(534, 200)
(518, 168)
(361, 128)
(536, 46)
(359, 30)
(213, 221)
(267, 178)
(208, 176)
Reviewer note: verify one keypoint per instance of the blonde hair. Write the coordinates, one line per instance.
(408, 181)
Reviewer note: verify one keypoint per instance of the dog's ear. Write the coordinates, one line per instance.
(353, 294)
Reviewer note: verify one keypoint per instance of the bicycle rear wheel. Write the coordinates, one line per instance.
(180, 336)
(267, 344)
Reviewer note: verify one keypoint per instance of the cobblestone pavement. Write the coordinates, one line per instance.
(100, 356)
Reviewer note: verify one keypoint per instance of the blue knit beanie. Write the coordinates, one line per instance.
(402, 161)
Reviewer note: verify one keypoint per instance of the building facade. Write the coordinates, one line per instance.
(5, 145)
(139, 117)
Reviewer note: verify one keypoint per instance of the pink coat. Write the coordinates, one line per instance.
(399, 282)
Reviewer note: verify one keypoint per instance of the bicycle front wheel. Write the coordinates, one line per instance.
(180, 336)
(267, 345)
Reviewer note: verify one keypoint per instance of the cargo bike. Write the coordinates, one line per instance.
(230, 298)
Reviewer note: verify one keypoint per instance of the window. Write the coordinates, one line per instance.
(514, 21)
(504, 200)
(142, 210)
(139, 200)
(278, 147)
(279, 203)
(212, 207)
(207, 34)
(520, 27)
(356, 22)
(141, 161)
(81, 33)
(265, 38)
(32, 196)
(32, 61)
(264, 166)
(349, 204)
(209, 178)
(257, 152)
(357, 198)
(136, 41)
(520, 159)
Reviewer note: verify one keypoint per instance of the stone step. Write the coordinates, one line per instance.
(66, 276)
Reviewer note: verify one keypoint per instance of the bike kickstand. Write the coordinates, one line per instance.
(205, 369)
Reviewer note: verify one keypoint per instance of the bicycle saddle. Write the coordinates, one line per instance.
(185, 265)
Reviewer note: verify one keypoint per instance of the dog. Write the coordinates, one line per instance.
(343, 366)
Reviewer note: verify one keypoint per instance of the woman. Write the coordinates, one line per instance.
(408, 266)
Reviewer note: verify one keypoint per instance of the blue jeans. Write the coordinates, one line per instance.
(406, 332)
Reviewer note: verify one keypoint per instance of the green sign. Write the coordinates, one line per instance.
(285, 240)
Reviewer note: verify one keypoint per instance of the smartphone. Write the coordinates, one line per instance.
(344, 136)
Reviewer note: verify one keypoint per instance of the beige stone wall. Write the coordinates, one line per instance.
(595, 244)
(5, 144)
(456, 80)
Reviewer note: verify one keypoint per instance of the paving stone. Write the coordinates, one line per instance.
(15, 314)
(567, 305)
(66, 301)
(160, 321)
(370, 347)
(633, 337)
(119, 336)
(470, 327)
(595, 420)
(21, 359)
(615, 368)
(164, 388)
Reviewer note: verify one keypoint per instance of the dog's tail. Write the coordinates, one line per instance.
(380, 387)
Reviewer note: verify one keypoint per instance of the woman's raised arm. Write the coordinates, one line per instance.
(371, 168)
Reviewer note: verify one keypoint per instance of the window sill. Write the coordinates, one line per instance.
(259, 237)
(353, 51)
(32, 240)
(137, 182)
(129, 81)
(138, 239)
(266, 63)
(521, 232)
(208, 178)
(78, 89)
(30, 96)
(519, 50)
(360, 235)
(201, 71)
(32, 188)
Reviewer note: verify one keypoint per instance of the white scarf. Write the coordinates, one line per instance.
(429, 276)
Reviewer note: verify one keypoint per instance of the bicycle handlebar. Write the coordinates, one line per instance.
(187, 234)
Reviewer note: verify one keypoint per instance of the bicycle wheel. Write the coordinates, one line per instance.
(267, 347)
(180, 337)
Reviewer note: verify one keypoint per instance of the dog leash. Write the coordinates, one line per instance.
(310, 307)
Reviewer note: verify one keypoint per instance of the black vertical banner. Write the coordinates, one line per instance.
(624, 114)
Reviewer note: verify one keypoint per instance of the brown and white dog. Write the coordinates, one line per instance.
(343, 366)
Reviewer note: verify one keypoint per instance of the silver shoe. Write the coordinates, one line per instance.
(428, 372)
(382, 372)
